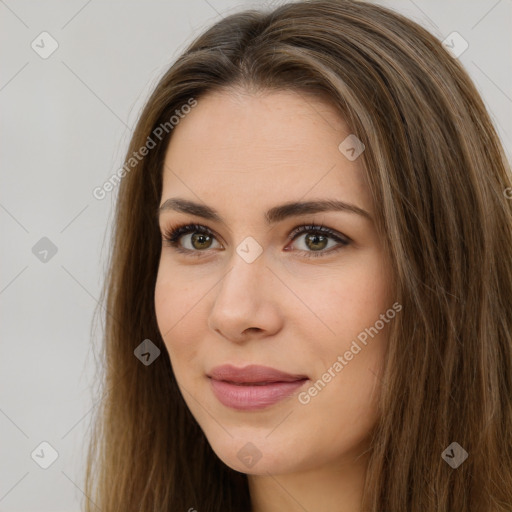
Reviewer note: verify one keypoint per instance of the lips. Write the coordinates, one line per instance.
(252, 375)
(253, 387)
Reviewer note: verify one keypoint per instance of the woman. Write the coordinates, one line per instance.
(310, 281)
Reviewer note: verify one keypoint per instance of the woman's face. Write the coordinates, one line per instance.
(315, 307)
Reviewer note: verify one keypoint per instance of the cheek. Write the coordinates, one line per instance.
(174, 305)
(175, 297)
(164, 303)
(352, 307)
(351, 299)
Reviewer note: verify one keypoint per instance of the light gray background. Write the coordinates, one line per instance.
(65, 124)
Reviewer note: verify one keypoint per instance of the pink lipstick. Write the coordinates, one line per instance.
(253, 387)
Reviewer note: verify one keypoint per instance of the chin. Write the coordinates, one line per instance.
(253, 455)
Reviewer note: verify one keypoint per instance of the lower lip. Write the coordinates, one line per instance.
(246, 397)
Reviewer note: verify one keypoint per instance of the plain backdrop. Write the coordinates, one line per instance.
(65, 124)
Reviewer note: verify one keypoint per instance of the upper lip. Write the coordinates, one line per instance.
(252, 374)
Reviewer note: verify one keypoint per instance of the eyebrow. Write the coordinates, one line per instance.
(272, 216)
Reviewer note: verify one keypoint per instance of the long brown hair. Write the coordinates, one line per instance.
(437, 174)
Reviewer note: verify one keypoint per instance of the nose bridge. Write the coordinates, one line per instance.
(242, 301)
(247, 268)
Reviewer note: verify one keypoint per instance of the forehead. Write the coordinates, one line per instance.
(278, 121)
(262, 147)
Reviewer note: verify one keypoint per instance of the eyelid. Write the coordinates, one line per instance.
(319, 228)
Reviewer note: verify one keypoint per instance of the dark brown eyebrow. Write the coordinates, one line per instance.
(272, 216)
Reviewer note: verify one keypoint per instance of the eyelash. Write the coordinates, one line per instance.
(171, 237)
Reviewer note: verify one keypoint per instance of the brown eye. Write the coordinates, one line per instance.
(316, 240)
(200, 241)
(315, 244)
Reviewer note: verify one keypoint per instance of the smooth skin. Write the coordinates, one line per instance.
(243, 153)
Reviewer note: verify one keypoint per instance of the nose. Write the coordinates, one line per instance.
(246, 304)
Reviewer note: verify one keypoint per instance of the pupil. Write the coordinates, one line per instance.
(315, 239)
(199, 238)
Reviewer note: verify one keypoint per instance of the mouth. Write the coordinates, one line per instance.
(253, 387)
(255, 383)
(252, 374)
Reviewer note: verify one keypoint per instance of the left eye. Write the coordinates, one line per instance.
(315, 241)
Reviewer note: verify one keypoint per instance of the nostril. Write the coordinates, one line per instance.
(252, 329)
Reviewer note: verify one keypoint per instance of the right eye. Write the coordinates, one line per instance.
(201, 236)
